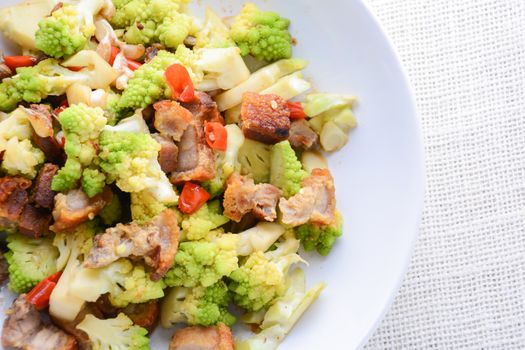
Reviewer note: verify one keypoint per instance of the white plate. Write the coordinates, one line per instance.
(379, 174)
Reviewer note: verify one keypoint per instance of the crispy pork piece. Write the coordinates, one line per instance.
(152, 51)
(25, 329)
(34, 222)
(50, 147)
(203, 109)
(75, 207)
(200, 338)
(195, 161)
(243, 196)
(156, 242)
(42, 194)
(41, 119)
(168, 154)
(145, 315)
(302, 136)
(13, 197)
(171, 119)
(314, 203)
(265, 118)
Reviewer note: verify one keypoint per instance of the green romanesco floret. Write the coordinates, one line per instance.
(33, 84)
(262, 277)
(81, 126)
(283, 314)
(145, 207)
(203, 262)
(214, 33)
(21, 158)
(124, 281)
(207, 218)
(153, 21)
(111, 214)
(30, 261)
(201, 306)
(147, 86)
(262, 34)
(320, 237)
(130, 159)
(286, 171)
(114, 333)
(68, 29)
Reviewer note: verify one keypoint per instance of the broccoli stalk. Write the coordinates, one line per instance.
(114, 333)
(81, 126)
(30, 261)
(283, 314)
(261, 34)
(203, 262)
(202, 306)
(68, 29)
(262, 277)
(286, 170)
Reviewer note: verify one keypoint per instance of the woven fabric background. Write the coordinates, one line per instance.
(465, 288)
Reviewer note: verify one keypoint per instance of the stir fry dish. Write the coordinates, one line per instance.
(160, 170)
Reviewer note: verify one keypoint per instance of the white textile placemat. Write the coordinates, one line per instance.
(465, 288)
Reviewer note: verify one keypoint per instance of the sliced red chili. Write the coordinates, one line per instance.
(296, 110)
(133, 65)
(40, 294)
(216, 135)
(15, 62)
(192, 198)
(114, 52)
(180, 83)
(61, 108)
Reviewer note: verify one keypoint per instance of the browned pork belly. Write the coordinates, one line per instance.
(168, 153)
(302, 136)
(218, 337)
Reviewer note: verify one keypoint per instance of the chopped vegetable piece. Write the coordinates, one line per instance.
(15, 62)
(192, 198)
(180, 83)
(296, 110)
(39, 295)
(216, 135)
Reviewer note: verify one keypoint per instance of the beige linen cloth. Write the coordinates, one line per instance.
(465, 287)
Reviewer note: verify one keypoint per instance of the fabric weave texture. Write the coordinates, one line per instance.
(465, 288)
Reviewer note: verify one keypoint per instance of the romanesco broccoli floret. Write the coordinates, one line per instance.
(81, 126)
(30, 261)
(152, 21)
(32, 84)
(262, 277)
(68, 29)
(207, 218)
(112, 213)
(214, 33)
(130, 159)
(203, 262)
(145, 87)
(125, 282)
(202, 306)
(283, 314)
(262, 34)
(145, 207)
(114, 333)
(319, 237)
(21, 158)
(286, 171)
